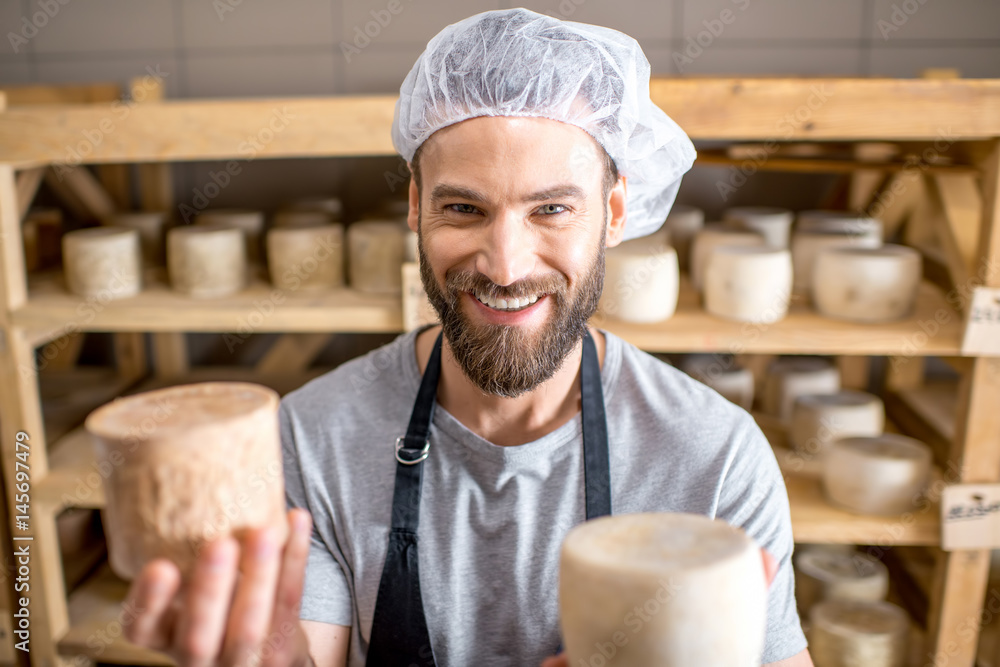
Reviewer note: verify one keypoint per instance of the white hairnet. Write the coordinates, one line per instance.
(516, 62)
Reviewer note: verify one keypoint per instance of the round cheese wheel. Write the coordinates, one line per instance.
(152, 229)
(376, 249)
(187, 464)
(309, 258)
(788, 378)
(820, 419)
(822, 574)
(251, 223)
(867, 284)
(102, 262)
(884, 475)
(748, 283)
(807, 245)
(301, 218)
(682, 223)
(839, 222)
(773, 223)
(850, 633)
(712, 236)
(724, 375)
(672, 590)
(332, 206)
(206, 261)
(641, 281)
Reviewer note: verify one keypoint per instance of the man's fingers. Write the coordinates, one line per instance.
(250, 617)
(199, 635)
(293, 568)
(770, 566)
(150, 598)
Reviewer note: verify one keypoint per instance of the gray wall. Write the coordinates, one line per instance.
(224, 48)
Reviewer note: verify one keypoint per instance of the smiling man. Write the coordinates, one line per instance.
(443, 470)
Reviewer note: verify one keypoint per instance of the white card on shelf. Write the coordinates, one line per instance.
(417, 309)
(982, 327)
(970, 517)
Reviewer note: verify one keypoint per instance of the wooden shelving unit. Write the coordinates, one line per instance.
(963, 116)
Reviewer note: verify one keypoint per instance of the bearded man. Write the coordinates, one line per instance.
(442, 471)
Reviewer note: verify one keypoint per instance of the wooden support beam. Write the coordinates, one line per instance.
(904, 373)
(67, 349)
(961, 577)
(116, 179)
(27, 185)
(963, 210)
(13, 283)
(865, 183)
(897, 200)
(130, 354)
(292, 353)
(170, 357)
(930, 230)
(81, 191)
(854, 372)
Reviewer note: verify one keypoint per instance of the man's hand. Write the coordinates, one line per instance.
(770, 571)
(240, 606)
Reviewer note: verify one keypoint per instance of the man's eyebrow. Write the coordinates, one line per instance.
(445, 191)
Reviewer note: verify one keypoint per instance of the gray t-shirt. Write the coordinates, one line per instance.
(492, 518)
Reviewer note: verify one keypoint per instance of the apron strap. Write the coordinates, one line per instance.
(414, 447)
(596, 465)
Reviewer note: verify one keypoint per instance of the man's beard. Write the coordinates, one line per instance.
(506, 360)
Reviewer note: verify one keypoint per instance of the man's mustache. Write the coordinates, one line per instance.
(477, 283)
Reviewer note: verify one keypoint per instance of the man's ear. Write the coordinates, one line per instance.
(618, 213)
(413, 217)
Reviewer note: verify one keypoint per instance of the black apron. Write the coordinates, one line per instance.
(399, 636)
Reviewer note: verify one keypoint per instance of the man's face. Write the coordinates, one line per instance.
(512, 231)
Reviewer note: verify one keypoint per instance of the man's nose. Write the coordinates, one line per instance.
(509, 249)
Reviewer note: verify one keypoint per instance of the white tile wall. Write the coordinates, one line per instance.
(415, 23)
(648, 21)
(217, 25)
(14, 73)
(378, 70)
(248, 74)
(775, 19)
(933, 19)
(722, 59)
(90, 69)
(109, 26)
(11, 15)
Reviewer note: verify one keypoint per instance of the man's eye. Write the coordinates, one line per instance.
(551, 209)
(462, 208)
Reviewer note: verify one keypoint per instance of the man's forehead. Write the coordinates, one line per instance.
(556, 139)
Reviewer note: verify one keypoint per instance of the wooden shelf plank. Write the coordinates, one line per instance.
(259, 308)
(803, 331)
(937, 404)
(706, 107)
(74, 479)
(96, 619)
(691, 329)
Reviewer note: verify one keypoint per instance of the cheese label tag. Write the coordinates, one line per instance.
(982, 327)
(417, 308)
(970, 517)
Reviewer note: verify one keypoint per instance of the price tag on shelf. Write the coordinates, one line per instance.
(982, 327)
(970, 517)
(417, 308)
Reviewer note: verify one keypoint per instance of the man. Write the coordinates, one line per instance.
(533, 146)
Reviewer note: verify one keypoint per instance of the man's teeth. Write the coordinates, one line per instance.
(507, 304)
